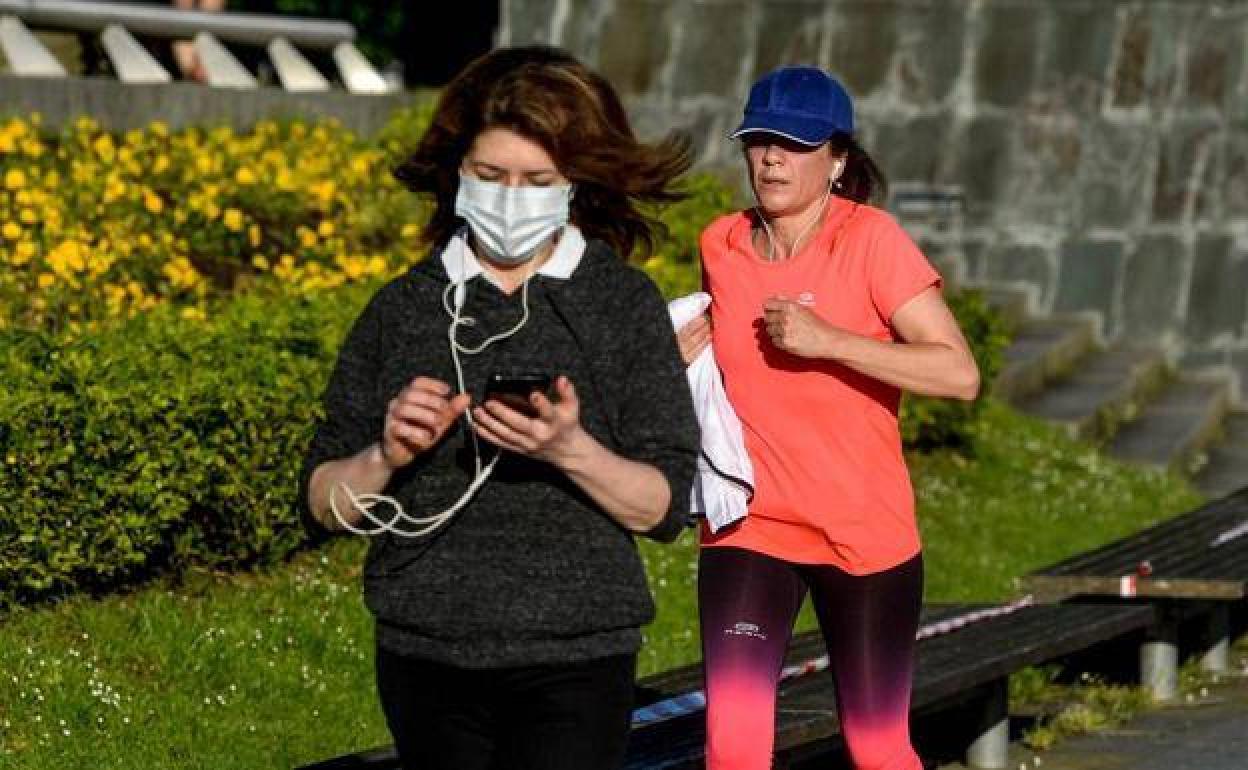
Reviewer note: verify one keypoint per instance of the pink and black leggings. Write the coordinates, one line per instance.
(748, 603)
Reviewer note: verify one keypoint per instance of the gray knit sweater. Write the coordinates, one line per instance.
(531, 571)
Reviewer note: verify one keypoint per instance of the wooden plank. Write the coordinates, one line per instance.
(131, 61)
(1055, 588)
(1167, 543)
(294, 71)
(27, 56)
(220, 66)
(358, 74)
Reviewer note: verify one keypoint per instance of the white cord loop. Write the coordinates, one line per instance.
(401, 523)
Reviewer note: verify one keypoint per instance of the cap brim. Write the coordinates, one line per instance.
(805, 131)
(740, 132)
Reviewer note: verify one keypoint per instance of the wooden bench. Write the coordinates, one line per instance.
(965, 668)
(1194, 567)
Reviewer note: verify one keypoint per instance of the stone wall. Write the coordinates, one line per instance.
(1101, 146)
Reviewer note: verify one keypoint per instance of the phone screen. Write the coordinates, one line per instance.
(514, 389)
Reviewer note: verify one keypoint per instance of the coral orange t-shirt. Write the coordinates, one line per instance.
(830, 481)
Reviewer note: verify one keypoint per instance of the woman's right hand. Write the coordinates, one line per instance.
(693, 338)
(417, 418)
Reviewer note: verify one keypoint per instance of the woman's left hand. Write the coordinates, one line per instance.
(794, 328)
(553, 434)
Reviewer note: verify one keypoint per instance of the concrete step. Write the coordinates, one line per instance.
(1103, 391)
(1042, 350)
(1173, 430)
(1227, 468)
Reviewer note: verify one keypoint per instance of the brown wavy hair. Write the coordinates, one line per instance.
(548, 96)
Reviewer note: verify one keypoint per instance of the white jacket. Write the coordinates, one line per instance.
(725, 481)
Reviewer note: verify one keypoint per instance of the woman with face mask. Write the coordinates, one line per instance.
(823, 311)
(503, 574)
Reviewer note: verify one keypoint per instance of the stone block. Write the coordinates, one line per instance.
(862, 43)
(528, 21)
(976, 250)
(1078, 53)
(929, 62)
(790, 33)
(654, 117)
(1130, 75)
(1181, 189)
(1031, 264)
(1234, 183)
(1006, 59)
(914, 150)
(1043, 171)
(1215, 53)
(1147, 70)
(635, 42)
(1217, 302)
(1115, 175)
(712, 43)
(1088, 278)
(985, 152)
(1151, 290)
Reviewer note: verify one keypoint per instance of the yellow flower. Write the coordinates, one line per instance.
(159, 128)
(325, 229)
(233, 220)
(410, 231)
(24, 252)
(28, 216)
(259, 262)
(324, 191)
(245, 176)
(45, 280)
(105, 148)
(285, 181)
(161, 164)
(307, 238)
(193, 314)
(181, 273)
(67, 258)
(14, 179)
(254, 235)
(203, 164)
(12, 231)
(153, 202)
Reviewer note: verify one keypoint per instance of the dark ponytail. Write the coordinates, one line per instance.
(862, 181)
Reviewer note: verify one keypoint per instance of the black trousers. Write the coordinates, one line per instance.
(572, 716)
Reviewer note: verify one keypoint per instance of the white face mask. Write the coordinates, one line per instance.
(511, 223)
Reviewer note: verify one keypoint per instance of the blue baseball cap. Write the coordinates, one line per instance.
(804, 104)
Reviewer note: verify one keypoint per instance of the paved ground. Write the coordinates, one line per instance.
(1209, 733)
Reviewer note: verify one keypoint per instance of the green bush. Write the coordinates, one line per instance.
(158, 444)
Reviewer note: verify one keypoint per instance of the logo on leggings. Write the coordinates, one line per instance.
(746, 629)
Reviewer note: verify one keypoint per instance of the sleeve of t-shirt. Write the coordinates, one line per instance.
(897, 272)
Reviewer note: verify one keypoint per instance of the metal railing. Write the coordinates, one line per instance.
(118, 24)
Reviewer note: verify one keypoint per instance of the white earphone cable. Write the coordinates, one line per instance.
(426, 525)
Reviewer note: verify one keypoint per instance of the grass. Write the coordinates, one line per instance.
(273, 668)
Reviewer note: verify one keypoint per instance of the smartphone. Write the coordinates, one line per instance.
(514, 389)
